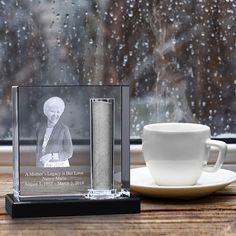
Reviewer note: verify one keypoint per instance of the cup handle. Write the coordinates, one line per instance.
(222, 146)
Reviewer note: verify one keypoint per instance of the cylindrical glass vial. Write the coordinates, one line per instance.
(102, 148)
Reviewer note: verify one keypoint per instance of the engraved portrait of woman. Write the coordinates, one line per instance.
(54, 145)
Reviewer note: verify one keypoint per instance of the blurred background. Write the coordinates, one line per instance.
(179, 57)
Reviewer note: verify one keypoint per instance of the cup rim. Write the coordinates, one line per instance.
(168, 127)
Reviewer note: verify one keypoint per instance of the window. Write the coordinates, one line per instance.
(179, 57)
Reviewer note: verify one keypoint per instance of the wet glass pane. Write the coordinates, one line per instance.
(178, 56)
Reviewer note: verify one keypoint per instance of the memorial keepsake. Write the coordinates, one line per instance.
(71, 151)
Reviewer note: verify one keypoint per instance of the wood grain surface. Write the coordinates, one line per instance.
(212, 215)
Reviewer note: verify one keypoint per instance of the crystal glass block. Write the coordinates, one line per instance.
(71, 142)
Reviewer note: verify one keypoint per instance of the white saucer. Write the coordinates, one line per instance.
(142, 183)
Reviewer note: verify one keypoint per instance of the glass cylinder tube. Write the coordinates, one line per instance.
(102, 148)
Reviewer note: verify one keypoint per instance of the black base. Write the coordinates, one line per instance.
(71, 207)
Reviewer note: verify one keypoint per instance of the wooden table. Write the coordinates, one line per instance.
(212, 215)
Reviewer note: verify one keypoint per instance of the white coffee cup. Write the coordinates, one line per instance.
(177, 153)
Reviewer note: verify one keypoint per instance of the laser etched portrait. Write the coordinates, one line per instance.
(54, 145)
